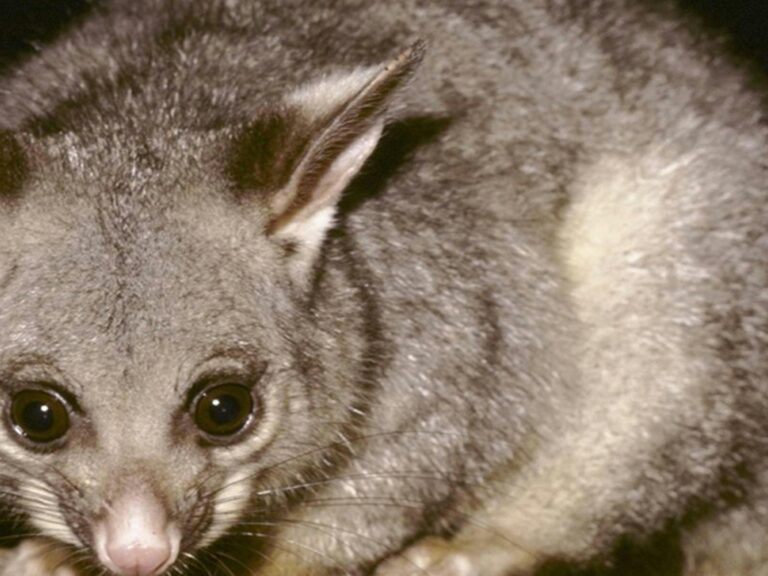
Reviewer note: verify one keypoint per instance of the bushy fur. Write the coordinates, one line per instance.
(538, 324)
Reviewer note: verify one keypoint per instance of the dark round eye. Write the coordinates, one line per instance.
(39, 416)
(224, 409)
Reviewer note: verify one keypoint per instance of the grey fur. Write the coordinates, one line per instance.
(539, 324)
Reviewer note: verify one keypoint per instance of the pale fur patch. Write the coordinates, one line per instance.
(617, 211)
(623, 261)
(230, 503)
(42, 506)
(331, 91)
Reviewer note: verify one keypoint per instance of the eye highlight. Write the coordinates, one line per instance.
(39, 416)
(224, 409)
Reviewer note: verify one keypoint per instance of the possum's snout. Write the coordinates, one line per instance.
(135, 536)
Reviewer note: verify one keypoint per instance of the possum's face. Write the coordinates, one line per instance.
(161, 373)
(147, 392)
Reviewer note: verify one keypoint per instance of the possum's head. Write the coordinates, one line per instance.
(166, 360)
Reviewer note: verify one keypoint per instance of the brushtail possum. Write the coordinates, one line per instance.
(343, 288)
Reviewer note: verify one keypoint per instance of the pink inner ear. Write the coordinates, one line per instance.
(344, 169)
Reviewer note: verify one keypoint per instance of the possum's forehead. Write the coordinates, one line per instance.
(138, 292)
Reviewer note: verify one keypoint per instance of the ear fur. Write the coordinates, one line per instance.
(332, 126)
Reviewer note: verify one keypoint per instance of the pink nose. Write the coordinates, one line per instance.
(135, 537)
(140, 560)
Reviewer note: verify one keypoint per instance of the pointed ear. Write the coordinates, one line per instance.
(305, 154)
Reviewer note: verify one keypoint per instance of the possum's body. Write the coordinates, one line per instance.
(535, 322)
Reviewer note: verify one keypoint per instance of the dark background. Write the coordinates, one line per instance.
(746, 21)
(25, 24)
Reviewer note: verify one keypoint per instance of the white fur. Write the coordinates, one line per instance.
(42, 505)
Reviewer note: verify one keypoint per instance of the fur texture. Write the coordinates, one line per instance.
(535, 322)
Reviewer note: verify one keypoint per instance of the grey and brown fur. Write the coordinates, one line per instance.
(538, 325)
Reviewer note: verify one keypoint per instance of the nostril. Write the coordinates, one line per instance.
(139, 560)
